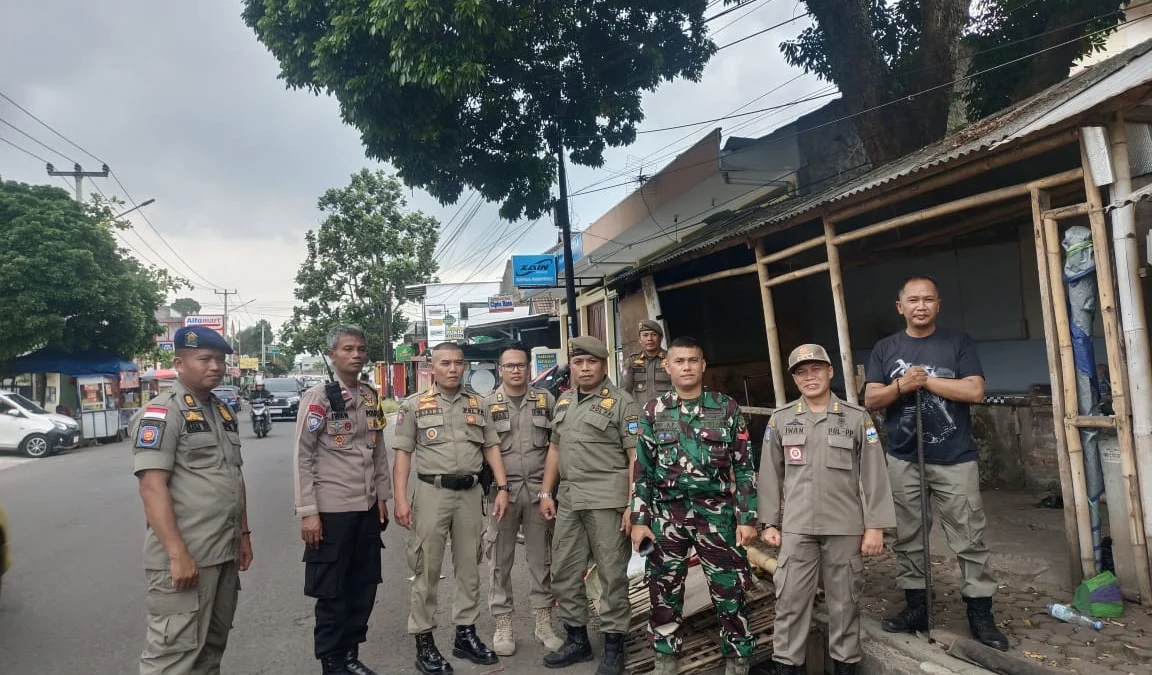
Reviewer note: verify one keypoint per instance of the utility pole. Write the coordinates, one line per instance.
(388, 343)
(79, 174)
(566, 232)
(263, 348)
(226, 293)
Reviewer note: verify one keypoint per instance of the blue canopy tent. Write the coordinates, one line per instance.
(99, 376)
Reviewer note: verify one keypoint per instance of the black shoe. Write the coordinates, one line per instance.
(576, 649)
(353, 665)
(785, 669)
(842, 668)
(914, 617)
(469, 646)
(983, 624)
(333, 665)
(613, 661)
(428, 658)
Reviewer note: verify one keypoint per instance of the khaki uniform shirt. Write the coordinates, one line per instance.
(644, 377)
(447, 434)
(829, 468)
(525, 431)
(198, 444)
(341, 463)
(594, 436)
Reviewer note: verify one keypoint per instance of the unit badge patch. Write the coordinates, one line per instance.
(148, 436)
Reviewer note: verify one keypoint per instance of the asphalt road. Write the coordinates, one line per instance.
(74, 600)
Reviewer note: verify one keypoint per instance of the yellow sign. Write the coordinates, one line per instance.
(249, 363)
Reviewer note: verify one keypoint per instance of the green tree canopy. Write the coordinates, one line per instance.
(249, 338)
(65, 283)
(367, 249)
(896, 61)
(475, 93)
(186, 306)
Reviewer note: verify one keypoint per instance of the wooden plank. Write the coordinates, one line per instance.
(785, 253)
(1067, 211)
(1072, 529)
(1092, 422)
(1117, 366)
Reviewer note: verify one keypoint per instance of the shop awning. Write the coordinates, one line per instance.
(73, 364)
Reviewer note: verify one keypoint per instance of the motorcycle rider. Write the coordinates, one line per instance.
(260, 394)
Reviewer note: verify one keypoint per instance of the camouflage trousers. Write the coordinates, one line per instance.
(709, 526)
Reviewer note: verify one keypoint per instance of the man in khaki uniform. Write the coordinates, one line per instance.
(342, 486)
(186, 457)
(523, 419)
(446, 433)
(594, 429)
(645, 376)
(824, 454)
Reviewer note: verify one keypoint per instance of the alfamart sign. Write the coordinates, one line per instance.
(213, 321)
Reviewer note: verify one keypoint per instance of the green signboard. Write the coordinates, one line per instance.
(273, 350)
(404, 352)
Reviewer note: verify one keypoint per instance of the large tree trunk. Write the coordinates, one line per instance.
(867, 82)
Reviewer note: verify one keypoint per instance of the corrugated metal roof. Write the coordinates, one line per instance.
(1056, 105)
(1144, 194)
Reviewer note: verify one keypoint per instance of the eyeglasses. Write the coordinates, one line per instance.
(515, 366)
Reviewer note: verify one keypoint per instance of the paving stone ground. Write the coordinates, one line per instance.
(1123, 647)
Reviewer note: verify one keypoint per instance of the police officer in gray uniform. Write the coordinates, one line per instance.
(186, 457)
(342, 487)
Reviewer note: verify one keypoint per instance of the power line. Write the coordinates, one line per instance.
(35, 140)
(761, 32)
(26, 152)
(49, 127)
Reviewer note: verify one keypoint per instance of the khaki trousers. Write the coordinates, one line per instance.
(837, 558)
(437, 514)
(500, 541)
(955, 491)
(188, 630)
(595, 532)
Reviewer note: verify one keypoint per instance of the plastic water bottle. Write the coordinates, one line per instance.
(1068, 615)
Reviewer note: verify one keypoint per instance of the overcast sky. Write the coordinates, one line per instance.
(183, 103)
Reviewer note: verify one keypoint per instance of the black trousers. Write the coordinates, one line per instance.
(342, 574)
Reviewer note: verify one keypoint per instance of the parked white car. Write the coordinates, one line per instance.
(32, 430)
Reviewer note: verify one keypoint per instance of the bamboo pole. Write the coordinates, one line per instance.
(843, 336)
(1093, 422)
(797, 274)
(974, 168)
(786, 253)
(958, 205)
(771, 332)
(723, 274)
(1067, 392)
(1067, 211)
(1105, 275)
(1071, 498)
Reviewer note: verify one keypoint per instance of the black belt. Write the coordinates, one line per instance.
(448, 481)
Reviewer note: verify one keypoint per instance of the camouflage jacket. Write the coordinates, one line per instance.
(695, 450)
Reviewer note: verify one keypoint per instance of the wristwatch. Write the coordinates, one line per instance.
(543, 495)
(505, 487)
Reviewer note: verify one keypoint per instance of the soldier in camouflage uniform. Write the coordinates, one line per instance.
(694, 486)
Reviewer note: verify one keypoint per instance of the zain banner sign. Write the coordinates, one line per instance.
(534, 271)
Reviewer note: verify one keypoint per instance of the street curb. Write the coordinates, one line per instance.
(903, 654)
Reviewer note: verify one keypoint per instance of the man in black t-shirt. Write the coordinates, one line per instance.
(944, 367)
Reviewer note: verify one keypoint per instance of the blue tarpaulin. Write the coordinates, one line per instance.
(73, 364)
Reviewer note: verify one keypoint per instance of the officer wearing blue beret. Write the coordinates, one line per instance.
(186, 457)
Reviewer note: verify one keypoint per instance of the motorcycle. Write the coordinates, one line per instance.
(261, 418)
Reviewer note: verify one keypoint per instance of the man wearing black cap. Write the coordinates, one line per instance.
(186, 456)
(593, 448)
(645, 376)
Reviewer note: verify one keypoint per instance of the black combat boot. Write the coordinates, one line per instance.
(429, 660)
(576, 649)
(914, 617)
(983, 624)
(333, 665)
(469, 646)
(353, 665)
(613, 661)
(842, 668)
(785, 669)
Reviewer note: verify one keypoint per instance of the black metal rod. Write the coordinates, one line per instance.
(925, 524)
